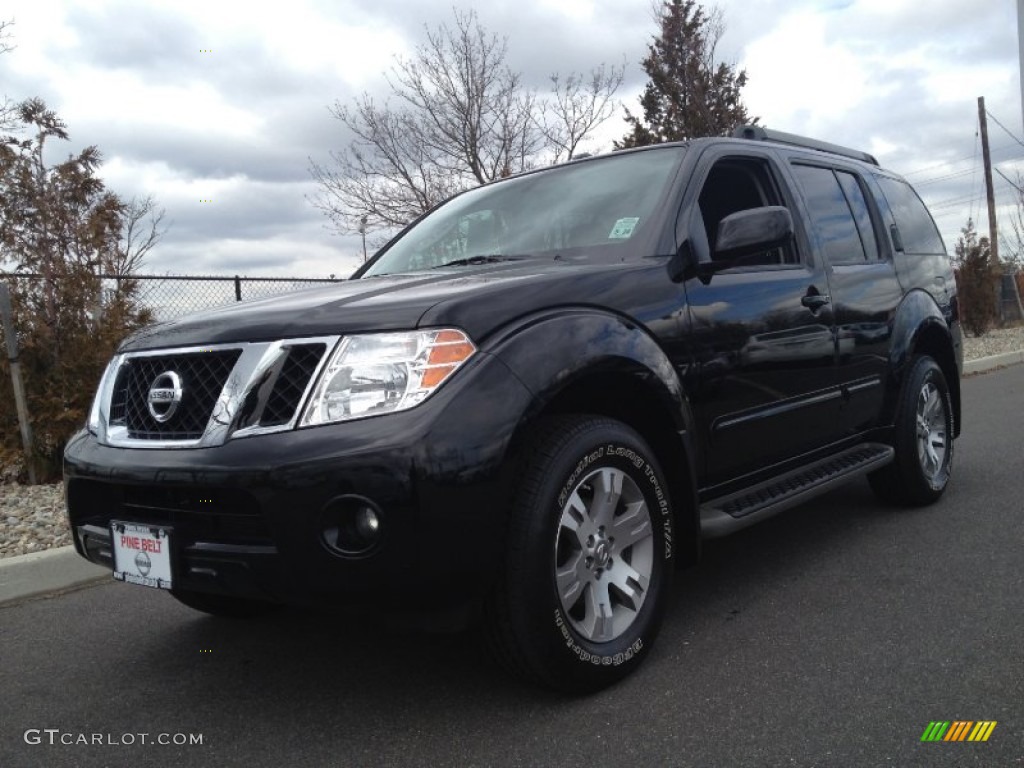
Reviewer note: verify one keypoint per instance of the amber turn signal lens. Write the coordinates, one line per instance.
(432, 377)
(449, 349)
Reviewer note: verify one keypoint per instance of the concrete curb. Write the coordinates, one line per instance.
(42, 573)
(995, 361)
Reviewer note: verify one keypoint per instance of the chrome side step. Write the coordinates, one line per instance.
(727, 514)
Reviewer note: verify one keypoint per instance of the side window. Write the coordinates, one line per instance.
(831, 215)
(861, 214)
(917, 230)
(739, 184)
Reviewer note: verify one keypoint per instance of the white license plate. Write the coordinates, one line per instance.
(142, 554)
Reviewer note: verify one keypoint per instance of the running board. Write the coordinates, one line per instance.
(728, 514)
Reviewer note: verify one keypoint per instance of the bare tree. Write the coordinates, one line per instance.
(141, 230)
(5, 36)
(457, 116)
(388, 175)
(473, 109)
(578, 105)
(8, 109)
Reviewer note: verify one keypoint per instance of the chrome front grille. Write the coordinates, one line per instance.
(202, 375)
(218, 392)
(291, 384)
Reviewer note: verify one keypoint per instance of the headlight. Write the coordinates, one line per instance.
(385, 372)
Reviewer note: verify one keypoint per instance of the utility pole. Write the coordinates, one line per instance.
(993, 231)
(1008, 301)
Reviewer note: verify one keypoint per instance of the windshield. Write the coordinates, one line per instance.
(597, 204)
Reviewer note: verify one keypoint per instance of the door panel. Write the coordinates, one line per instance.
(865, 292)
(761, 331)
(765, 368)
(865, 298)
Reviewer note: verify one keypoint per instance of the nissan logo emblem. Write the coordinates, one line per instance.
(164, 396)
(143, 563)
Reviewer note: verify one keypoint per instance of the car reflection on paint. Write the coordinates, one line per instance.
(806, 343)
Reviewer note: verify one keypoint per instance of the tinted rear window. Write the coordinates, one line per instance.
(917, 230)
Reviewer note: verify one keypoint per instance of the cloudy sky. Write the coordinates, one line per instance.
(216, 107)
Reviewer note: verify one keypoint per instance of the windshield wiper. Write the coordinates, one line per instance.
(477, 260)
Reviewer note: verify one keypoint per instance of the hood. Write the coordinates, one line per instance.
(475, 298)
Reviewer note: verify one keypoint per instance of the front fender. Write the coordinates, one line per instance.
(612, 366)
(554, 349)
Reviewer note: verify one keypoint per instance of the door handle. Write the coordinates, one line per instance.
(815, 301)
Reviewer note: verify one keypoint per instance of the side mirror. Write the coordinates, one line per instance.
(753, 231)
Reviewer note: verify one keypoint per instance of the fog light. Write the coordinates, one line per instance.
(351, 526)
(367, 523)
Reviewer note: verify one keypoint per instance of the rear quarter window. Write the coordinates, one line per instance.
(916, 228)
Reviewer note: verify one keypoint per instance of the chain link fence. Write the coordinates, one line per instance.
(57, 333)
(171, 296)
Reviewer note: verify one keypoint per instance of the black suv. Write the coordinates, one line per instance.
(535, 401)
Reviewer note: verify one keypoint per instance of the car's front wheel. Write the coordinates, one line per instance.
(588, 563)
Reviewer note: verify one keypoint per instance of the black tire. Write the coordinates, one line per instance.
(223, 605)
(924, 456)
(573, 642)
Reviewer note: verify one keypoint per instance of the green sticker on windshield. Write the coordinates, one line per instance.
(623, 228)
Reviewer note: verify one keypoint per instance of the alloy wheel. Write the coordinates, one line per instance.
(604, 554)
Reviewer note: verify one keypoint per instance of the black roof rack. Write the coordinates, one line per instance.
(757, 133)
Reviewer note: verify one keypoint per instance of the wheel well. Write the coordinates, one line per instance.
(936, 344)
(627, 398)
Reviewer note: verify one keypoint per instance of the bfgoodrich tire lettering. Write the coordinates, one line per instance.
(923, 440)
(589, 557)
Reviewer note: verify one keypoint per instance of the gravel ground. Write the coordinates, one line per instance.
(994, 343)
(32, 517)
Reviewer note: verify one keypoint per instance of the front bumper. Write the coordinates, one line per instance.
(248, 517)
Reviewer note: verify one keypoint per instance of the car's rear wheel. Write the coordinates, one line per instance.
(588, 563)
(921, 469)
(223, 605)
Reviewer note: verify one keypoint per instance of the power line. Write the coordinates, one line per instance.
(944, 214)
(974, 177)
(1017, 154)
(936, 165)
(955, 201)
(1004, 128)
(1007, 178)
(957, 160)
(948, 176)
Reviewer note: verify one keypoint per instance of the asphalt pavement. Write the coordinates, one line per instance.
(829, 636)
